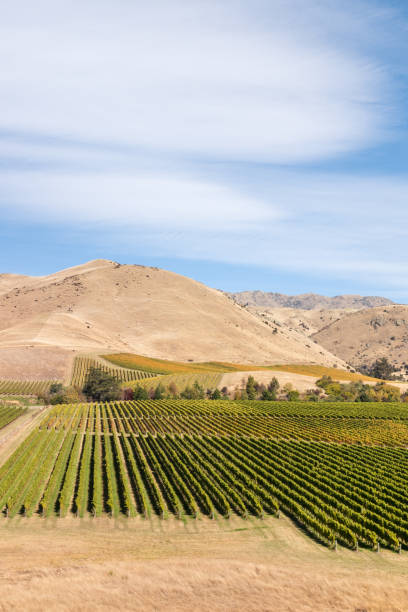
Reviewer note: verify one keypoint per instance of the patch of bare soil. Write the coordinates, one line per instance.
(102, 564)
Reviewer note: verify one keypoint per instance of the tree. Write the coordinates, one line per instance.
(293, 395)
(194, 392)
(56, 388)
(101, 386)
(250, 388)
(324, 381)
(216, 394)
(268, 395)
(198, 390)
(173, 389)
(159, 392)
(224, 392)
(382, 368)
(127, 394)
(140, 393)
(274, 385)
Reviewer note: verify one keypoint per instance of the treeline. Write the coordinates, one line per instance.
(100, 386)
(251, 390)
(334, 391)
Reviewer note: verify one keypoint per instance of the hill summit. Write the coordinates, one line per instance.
(105, 306)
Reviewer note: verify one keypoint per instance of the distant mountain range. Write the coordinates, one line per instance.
(308, 301)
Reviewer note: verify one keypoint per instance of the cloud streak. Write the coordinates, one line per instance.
(188, 78)
(346, 226)
(124, 117)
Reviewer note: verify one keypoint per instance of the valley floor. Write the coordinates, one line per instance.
(138, 564)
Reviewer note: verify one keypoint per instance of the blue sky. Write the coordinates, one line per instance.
(247, 144)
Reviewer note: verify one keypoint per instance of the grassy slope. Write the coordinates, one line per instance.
(161, 366)
(211, 566)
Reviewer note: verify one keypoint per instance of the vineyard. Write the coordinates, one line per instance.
(339, 471)
(82, 366)
(163, 366)
(207, 380)
(24, 387)
(9, 414)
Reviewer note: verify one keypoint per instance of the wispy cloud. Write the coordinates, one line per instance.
(123, 115)
(127, 200)
(346, 226)
(237, 80)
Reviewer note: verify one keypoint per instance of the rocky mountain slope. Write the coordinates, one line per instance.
(306, 322)
(105, 306)
(363, 336)
(307, 301)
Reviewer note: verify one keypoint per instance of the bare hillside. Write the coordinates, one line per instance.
(13, 281)
(306, 322)
(105, 306)
(363, 336)
(307, 301)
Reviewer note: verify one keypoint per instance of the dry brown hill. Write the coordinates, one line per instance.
(307, 301)
(363, 336)
(306, 322)
(13, 281)
(105, 306)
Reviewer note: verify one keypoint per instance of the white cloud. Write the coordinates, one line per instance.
(155, 201)
(223, 80)
(127, 109)
(343, 226)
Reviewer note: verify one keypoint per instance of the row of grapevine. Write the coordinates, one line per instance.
(357, 496)
(25, 387)
(9, 414)
(181, 417)
(192, 458)
(82, 365)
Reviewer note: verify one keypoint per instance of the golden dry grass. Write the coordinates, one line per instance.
(166, 367)
(318, 370)
(102, 564)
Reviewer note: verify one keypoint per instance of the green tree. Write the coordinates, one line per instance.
(56, 388)
(251, 388)
(194, 392)
(273, 386)
(198, 390)
(382, 368)
(216, 394)
(293, 395)
(140, 393)
(100, 386)
(159, 392)
(268, 395)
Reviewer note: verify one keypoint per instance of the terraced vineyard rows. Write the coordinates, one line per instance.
(208, 380)
(192, 458)
(82, 365)
(24, 387)
(9, 414)
(260, 419)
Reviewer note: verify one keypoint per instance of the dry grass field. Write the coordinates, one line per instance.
(103, 564)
